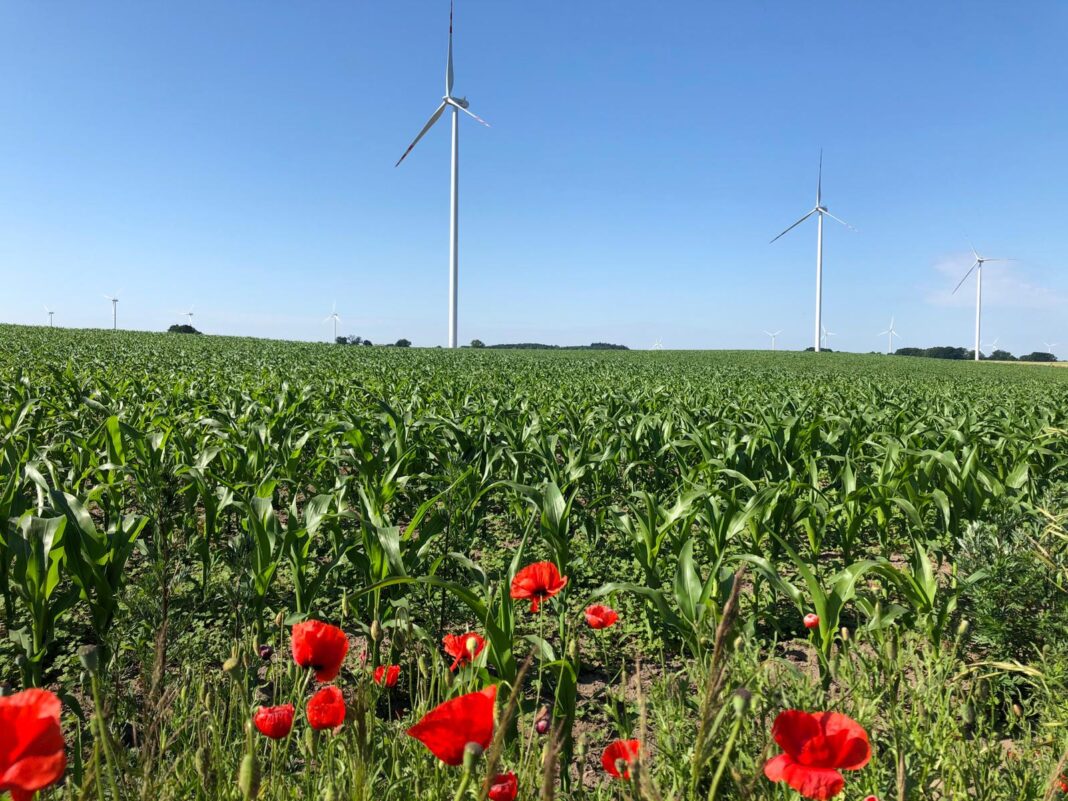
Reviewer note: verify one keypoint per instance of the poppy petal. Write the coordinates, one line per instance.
(449, 727)
(793, 728)
(775, 767)
(854, 750)
(816, 783)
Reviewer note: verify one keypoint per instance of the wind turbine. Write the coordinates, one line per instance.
(188, 315)
(658, 345)
(890, 334)
(820, 211)
(977, 267)
(993, 346)
(773, 335)
(333, 316)
(1050, 346)
(826, 334)
(457, 104)
(50, 314)
(114, 310)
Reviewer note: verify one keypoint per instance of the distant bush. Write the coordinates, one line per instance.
(403, 343)
(182, 329)
(540, 346)
(1038, 356)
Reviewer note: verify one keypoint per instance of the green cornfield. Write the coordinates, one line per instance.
(171, 506)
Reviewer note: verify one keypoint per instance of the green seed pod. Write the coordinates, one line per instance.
(248, 777)
(472, 752)
(845, 634)
(376, 631)
(280, 619)
(89, 656)
(963, 627)
(580, 750)
(740, 700)
(420, 664)
(230, 665)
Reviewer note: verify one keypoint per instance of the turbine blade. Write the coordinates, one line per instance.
(843, 222)
(472, 114)
(430, 123)
(965, 278)
(448, 66)
(792, 227)
(819, 180)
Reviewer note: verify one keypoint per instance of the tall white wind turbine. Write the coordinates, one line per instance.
(457, 104)
(188, 315)
(114, 310)
(1050, 346)
(820, 211)
(333, 316)
(50, 315)
(773, 335)
(890, 334)
(827, 334)
(977, 267)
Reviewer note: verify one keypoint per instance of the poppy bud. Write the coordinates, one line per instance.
(89, 656)
(22, 662)
(376, 631)
(968, 714)
(471, 645)
(420, 664)
(344, 606)
(963, 627)
(572, 651)
(580, 749)
(1017, 710)
(811, 620)
(739, 641)
(230, 665)
(248, 777)
(329, 794)
(265, 651)
(740, 700)
(5, 689)
(541, 725)
(871, 798)
(203, 766)
(280, 619)
(845, 634)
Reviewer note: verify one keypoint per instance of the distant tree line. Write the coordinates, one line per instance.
(355, 340)
(182, 329)
(478, 343)
(963, 354)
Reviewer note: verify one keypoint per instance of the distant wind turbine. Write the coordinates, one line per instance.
(820, 211)
(977, 267)
(50, 315)
(827, 334)
(890, 334)
(1050, 346)
(457, 104)
(188, 315)
(333, 316)
(773, 334)
(992, 346)
(114, 310)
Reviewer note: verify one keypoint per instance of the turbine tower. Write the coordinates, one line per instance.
(333, 316)
(820, 211)
(114, 310)
(773, 335)
(188, 315)
(890, 334)
(50, 315)
(457, 104)
(977, 267)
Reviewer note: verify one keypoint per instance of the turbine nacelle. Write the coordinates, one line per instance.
(459, 102)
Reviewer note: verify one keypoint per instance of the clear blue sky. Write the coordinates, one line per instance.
(238, 156)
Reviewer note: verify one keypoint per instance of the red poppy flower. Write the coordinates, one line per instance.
(321, 647)
(32, 754)
(387, 675)
(463, 648)
(326, 709)
(449, 727)
(505, 787)
(871, 798)
(600, 617)
(811, 621)
(818, 746)
(537, 582)
(619, 756)
(274, 721)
